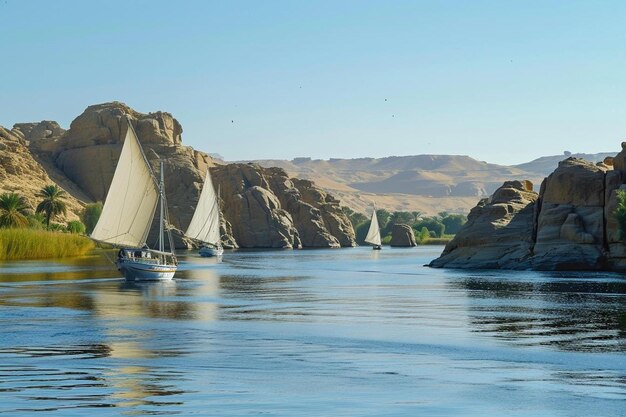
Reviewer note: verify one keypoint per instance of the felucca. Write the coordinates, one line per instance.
(373, 234)
(205, 223)
(128, 213)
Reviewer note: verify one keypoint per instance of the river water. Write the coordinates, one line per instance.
(349, 332)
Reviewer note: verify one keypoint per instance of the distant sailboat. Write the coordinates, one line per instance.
(128, 213)
(373, 234)
(205, 223)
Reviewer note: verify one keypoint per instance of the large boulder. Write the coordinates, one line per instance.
(570, 224)
(402, 236)
(36, 131)
(498, 232)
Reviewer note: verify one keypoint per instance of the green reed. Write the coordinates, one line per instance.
(41, 244)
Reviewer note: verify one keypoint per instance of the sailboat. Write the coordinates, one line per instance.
(205, 223)
(373, 234)
(128, 213)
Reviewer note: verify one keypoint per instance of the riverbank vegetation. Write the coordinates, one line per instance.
(26, 243)
(428, 230)
(30, 234)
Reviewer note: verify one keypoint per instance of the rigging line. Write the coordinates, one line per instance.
(106, 255)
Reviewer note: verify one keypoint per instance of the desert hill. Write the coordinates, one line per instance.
(426, 183)
(546, 164)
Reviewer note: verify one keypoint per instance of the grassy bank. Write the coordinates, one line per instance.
(436, 241)
(41, 244)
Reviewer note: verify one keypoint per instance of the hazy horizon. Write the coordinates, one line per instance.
(503, 83)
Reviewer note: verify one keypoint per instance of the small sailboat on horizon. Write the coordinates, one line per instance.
(205, 223)
(128, 213)
(373, 234)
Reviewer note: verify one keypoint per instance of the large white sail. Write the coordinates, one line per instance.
(373, 234)
(131, 201)
(205, 223)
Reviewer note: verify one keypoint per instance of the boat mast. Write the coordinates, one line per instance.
(219, 218)
(161, 213)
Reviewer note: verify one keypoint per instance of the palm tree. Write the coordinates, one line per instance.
(13, 210)
(53, 202)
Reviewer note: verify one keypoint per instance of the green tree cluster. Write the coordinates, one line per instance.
(15, 212)
(425, 227)
(90, 216)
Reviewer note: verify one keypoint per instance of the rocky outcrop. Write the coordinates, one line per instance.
(89, 150)
(498, 232)
(402, 236)
(32, 132)
(568, 226)
(269, 209)
(570, 222)
(262, 208)
(256, 215)
(21, 173)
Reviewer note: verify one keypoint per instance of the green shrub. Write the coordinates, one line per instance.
(56, 227)
(76, 227)
(90, 215)
(36, 221)
(422, 235)
(433, 224)
(620, 213)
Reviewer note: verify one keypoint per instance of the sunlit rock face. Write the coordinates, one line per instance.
(268, 209)
(22, 173)
(261, 207)
(498, 232)
(569, 225)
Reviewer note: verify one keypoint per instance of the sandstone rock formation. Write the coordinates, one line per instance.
(21, 173)
(498, 232)
(402, 236)
(32, 132)
(261, 207)
(569, 225)
(269, 209)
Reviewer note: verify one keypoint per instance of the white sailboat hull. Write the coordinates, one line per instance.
(144, 271)
(207, 252)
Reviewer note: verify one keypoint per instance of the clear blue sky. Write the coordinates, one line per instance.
(502, 81)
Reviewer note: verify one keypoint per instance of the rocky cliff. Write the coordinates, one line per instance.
(569, 224)
(20, 172)
(262, 207)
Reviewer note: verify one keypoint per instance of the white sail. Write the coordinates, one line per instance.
(205, 223)
(131, 201)
(373, 234)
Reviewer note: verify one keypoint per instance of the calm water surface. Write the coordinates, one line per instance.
(348, 332)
